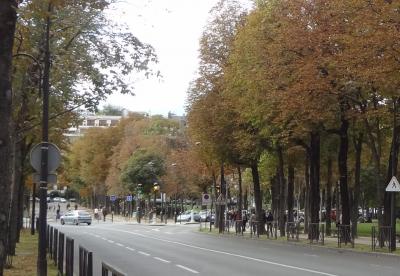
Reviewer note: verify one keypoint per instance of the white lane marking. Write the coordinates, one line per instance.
(188, 269)
(110, 241)
(168, 233)
(310, 255)
(97, 236)
(228, 253)
(104, 238)
(156, 229)
(162, 260)
(144, 253)
(119, 244)
(129, 248)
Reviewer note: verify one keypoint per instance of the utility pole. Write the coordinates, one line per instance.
(42, 261)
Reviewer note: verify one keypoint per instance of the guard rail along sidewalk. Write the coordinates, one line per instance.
(60, 249)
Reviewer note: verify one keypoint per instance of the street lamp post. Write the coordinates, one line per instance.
(156, 187)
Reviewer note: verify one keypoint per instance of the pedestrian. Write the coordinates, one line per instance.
(57, 214)
(244, 218)
(76, 206)
(253, 223)
(68, 205)
(269, 219)
(104, 212)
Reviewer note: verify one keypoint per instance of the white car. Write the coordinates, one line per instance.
(187, 216)
(56, 199)
(63, 200)
(76, 217)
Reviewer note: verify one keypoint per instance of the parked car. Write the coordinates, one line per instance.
(207, 216)
(76, 217)
(62, 200)
(56, 199)
(186, 216)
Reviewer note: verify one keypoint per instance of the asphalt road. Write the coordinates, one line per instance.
(181, 250)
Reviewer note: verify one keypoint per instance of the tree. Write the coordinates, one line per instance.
(142, 168)
(8, 18)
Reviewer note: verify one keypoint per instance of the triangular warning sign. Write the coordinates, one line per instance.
(393, 186)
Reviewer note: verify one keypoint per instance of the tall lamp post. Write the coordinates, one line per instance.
(156, 187)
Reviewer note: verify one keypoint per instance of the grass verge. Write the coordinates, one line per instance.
(24, 263)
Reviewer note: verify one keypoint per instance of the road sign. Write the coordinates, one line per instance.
(220, 200)
(113, 198)
(206, 199)
(393, 186)
(129, 198)
(53, 153)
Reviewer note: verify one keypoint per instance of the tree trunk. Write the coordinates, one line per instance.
(307, 194)
(392, 164)
(290, 193)
(257, 198)
(357, 183)
(329, 198)
(221, 219)
(342, 163)
(17, 186)
(275, 195)
(282, 192)
(240, 200)
(8, 19)
(314, 178)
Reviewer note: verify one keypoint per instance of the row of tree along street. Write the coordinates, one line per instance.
(306, 93)
(87, 59)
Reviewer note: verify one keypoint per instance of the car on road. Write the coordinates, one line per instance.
(76, 217)
(207, 216)
(56, 199)
(62, 200)
(186, 216)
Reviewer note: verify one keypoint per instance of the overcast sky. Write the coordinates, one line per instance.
(173, 28)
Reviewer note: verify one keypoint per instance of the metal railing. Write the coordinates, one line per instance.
(55, 245)
(345, 235)
(69, 257)
(85, 262)
(106, 269)
(316, 233)
(60, 262)
(292, 231)
(381, 237)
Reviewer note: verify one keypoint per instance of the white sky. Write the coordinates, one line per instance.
(173, 28)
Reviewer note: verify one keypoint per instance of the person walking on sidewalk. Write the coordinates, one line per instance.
(269, 219)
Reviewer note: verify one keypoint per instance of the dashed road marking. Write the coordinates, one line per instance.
(110, 241)
(188, 269)
(144, 253)
(162, 260)
(129, 248)
(119, 244)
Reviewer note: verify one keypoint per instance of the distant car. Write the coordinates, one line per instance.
(63, 200)
(187, 216)
(76, 217)
(56, 199)
(72, 200)
(207, 216)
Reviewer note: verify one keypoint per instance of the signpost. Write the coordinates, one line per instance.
(205, 199)
(393, 187)
(113, 198)
(129, 198)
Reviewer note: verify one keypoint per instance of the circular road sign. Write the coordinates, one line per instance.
(53, 155)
